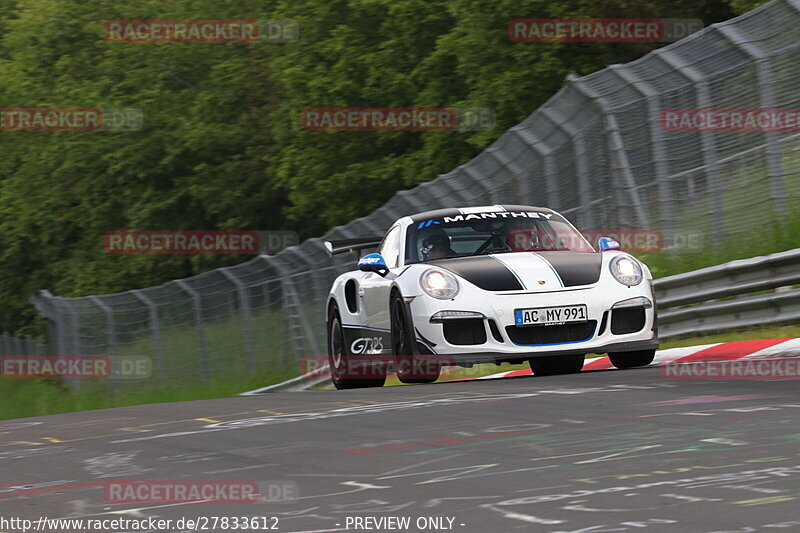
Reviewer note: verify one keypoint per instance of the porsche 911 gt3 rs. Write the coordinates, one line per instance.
(490, 284)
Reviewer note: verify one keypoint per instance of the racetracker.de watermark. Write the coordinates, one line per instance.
(363, 363)
(397, 119)
(138, 491)
(769, 369)
(731, 119)
(630, 240)
(201, 31)
(621, 30)
(75, 367)
(198, 242)
(70, 119)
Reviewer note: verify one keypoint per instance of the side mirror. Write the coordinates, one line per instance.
(373, 263)
(607, 243)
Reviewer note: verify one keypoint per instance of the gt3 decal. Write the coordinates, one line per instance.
(363, 340)
(366, 345)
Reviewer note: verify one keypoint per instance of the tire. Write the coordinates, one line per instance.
(409, 368)
(632, 359)
(344, 373)
(555, 365)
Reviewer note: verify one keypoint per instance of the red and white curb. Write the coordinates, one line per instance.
(724, 351)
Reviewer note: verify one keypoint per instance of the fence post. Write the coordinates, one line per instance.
(412, 200)
(7, 349)
(767, 99)
(521, 184)
(155, 327)
(290, 320)
(546, 154)
(110, 337)
(651, 96)
(616, 147)
(75, 337)
(581, 167)
(312, 339)
(480, 181)
(201, 332)
(246, 317)
(45, 304)
(457, 195)
(111, 340)
(707, 139)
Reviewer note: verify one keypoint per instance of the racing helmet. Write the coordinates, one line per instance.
(435, 240)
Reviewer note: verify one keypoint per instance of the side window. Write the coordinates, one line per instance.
(390, 247)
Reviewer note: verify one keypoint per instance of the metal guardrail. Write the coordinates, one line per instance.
(725, 296)
(304, 382)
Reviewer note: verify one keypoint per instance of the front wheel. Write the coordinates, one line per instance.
(632, 359)
(346, 373)
(409, 368)
(557, 364)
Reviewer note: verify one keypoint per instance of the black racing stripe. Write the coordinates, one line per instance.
(575, 268)
(483, 271)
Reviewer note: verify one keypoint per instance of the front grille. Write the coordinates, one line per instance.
(580, 331)
(464, 331)
(627, 320)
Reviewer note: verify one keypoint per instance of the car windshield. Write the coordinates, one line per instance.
(457, 237)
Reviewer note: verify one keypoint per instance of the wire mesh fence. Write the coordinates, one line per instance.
(597, 151)
(27, 345)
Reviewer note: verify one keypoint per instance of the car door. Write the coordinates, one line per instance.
(375, 289)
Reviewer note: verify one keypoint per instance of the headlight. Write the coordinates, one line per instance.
(439, 284)
(626, 270)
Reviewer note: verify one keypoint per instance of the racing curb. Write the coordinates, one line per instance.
(723, 351)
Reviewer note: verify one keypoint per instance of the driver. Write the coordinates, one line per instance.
(436, 245)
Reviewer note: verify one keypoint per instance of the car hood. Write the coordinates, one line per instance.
(527, 271)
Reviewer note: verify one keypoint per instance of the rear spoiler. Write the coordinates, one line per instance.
(347, 245)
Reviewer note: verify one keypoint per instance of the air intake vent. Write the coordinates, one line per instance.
(582, 331)
(627, 320)
(465, 331)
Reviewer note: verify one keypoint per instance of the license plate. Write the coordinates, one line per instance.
(550, 315)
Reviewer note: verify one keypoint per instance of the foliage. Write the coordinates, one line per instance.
(221, 146)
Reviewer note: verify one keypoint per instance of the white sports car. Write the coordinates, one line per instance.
(487, 284)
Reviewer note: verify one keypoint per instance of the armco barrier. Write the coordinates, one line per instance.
(722, 297)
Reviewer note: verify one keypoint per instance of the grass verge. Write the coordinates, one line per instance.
(25, 398)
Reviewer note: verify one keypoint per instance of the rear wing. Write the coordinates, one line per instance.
(355, 245)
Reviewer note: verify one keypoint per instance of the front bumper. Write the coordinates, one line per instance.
(476, 358)
(432, 343)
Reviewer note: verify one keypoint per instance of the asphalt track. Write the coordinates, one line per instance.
(593, 452)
